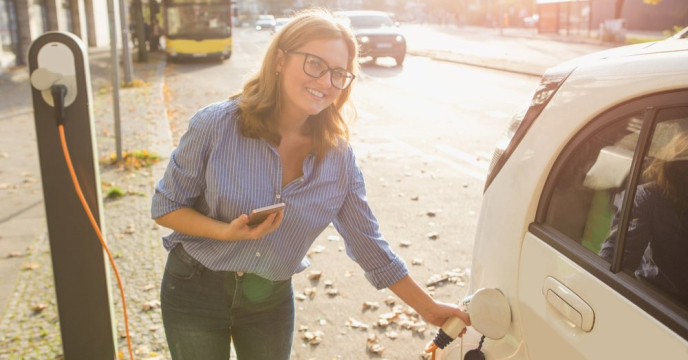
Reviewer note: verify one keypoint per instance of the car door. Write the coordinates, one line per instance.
(600, 271)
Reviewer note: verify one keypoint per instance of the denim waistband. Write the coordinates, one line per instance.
(186, 257)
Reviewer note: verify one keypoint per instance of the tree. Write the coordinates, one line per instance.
(620, 3)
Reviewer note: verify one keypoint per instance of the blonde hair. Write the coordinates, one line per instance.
(259, 101)
(665, 171)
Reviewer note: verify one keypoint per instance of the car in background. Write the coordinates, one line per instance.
(576, 228)
(377, 33)
(265, 22)
(279, 24)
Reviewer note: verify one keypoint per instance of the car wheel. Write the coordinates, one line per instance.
(400, 60)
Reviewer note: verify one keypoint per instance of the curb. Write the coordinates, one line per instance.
(488, 63)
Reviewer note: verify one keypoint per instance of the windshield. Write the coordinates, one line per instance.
(370, 22)
(206, 21)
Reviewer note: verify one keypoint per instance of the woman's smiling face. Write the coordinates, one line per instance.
(302, 94)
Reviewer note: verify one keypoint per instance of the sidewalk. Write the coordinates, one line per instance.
(29, 327)
(525, 52)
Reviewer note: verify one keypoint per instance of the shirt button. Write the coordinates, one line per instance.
(257, 254)
(278, 196)
(302, 180)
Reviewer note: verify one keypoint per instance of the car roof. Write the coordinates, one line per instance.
(362, 13)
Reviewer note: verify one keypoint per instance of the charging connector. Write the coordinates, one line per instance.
(59, 93)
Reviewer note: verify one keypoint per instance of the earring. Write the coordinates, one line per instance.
(277, 73)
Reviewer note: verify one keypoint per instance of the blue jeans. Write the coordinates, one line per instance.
(203, 309)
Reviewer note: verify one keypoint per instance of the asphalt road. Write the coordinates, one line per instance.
(424, 138)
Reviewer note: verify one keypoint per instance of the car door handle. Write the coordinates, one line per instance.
(570, 305)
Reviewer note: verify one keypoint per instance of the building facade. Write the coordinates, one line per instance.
(22, 21)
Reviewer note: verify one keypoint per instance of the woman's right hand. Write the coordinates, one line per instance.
(238, 229)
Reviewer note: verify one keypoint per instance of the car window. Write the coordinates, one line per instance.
(656, 241)
(370, 22)
(635, 244)
(589, 188)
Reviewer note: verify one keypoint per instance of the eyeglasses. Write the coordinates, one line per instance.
(316, 67)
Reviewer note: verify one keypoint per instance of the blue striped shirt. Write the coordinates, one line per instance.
(223, 174)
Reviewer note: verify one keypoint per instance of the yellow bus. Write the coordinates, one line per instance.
(197, 28)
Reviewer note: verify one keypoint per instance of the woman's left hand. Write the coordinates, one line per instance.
(441, 312)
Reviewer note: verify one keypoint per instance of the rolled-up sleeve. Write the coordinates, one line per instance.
(184, 181)
(360, 230)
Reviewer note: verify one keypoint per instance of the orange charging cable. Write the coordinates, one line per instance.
(431, 348)
(79, 193)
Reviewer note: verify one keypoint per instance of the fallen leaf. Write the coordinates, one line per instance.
(150, 305)
(316, 250)
(373, 305)
(436, 279)
(142, 350)
(373, 345)
(310, 292)
(433, 235)
(39, 308)
(313, 338)
(31, 266)
(130, 229)
(314, 275)
(355, 324)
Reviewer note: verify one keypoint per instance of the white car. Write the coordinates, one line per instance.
(265, 22)
(279, 24)
(588, 272)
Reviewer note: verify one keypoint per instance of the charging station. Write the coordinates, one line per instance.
(61, 91)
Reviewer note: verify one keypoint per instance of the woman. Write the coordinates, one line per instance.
(656, 245)
(282, 139)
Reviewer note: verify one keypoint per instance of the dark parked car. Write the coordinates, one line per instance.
(378, 35)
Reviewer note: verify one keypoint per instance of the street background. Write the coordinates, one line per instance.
(424, 138)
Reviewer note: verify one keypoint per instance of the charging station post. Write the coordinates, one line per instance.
(82, 282)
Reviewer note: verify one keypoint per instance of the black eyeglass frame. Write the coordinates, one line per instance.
(329, 69)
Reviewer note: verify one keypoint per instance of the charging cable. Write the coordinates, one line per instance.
(59, 92)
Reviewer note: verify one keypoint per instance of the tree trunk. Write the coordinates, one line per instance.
(618, 8)
(141, 34)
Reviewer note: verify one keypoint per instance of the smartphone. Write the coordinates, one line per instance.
(257, 216)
